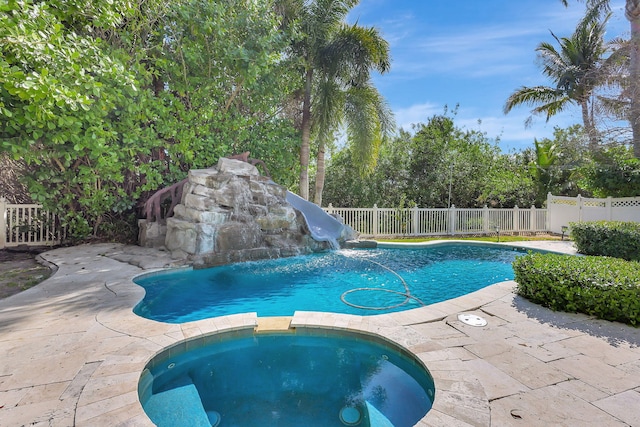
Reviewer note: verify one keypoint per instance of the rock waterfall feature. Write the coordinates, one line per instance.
(230, 213)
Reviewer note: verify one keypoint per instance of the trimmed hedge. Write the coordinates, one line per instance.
(607, 238)
(608, 288)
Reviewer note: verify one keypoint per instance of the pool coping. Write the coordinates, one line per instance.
(87, 305)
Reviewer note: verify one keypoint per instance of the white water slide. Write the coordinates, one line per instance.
(323, 227)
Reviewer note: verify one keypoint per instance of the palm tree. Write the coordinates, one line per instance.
(632, 13)
(575, 71)
(345, 95)
(337, 60)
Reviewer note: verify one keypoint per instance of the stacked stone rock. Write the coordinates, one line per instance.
(231, 213)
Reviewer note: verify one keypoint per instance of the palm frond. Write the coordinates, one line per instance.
(362, 105)
(596, 9)
(353, 52)
(532, 96)
(552, 108)
(576, 68)
(328, 106)
(616, 107)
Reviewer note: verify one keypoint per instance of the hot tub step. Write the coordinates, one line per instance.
(178, 406)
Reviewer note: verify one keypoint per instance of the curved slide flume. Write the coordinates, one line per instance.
(323, 227)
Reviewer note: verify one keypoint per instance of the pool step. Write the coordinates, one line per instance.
(271, 324)
(376, 418)
(178, 406)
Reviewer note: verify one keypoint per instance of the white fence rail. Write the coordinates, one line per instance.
(26, 224)
(563, 210)
(31, 225)
(377, 222)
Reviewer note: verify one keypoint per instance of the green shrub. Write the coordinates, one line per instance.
(608, 288)
(607, 238)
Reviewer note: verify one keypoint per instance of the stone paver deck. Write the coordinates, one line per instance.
(71, 350)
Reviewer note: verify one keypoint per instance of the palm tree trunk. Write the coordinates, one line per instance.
(589, 127)
(317, 198)
(306, 137)
(632, 12)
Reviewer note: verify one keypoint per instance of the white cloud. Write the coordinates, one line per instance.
(414, 114)
(511, 130)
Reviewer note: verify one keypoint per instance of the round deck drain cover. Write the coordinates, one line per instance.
(472, 319)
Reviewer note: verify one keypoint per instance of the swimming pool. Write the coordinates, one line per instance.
(363, 282)
(306, 377)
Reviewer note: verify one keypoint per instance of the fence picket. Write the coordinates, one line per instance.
(27, 224)
(415, 222)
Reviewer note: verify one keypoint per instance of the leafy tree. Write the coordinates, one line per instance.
(108, 101)
(509, 182)
(225, 78)
(59, 89)
(447, 165)
(575, 71)
(344, 186)
(614, 172)
(556, 162)
(383, 186)
(418, 169)
(336, 61)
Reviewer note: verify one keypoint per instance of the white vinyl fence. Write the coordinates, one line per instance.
(26, 224)
(386, 222)
(31, 225)
(563, 210)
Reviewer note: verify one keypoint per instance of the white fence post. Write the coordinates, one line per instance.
(375, 220)
(3, 222)
(546, 220)
(609, 208)
(416, 221)
(516, 219)
(452, 220)
(533, 219)
(579, 207)
(485, 219)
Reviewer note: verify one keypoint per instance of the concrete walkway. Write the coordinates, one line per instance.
(71, 351)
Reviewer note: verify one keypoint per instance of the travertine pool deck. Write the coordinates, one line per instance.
(71, 350)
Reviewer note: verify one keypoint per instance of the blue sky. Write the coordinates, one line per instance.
(475, 54)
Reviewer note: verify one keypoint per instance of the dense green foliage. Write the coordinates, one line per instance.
(438, 165)
(108, 101)
(105, 102)
(443, 156)
(607, 238)
(417, 168)
(557, 163)
(608, 288)
(613, 172)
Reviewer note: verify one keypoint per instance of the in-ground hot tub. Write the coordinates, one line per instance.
(309, 377)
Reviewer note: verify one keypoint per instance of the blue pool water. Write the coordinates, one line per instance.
(363, 282)
(307, 378)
